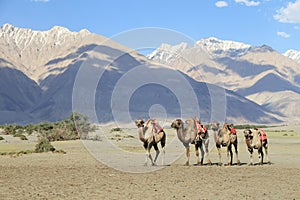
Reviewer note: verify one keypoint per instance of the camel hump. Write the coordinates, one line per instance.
(157, 128)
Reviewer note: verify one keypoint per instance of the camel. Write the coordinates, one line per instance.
(253, 141)
(150, 135)
(187, 135)
(224, 137)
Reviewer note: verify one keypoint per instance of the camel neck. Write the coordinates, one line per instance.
(141, 133)
(180, 133)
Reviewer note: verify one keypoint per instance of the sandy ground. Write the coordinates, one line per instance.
(79, 175)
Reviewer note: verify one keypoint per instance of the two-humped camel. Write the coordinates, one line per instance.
(224, 137)
(254, 141)
(187, 135)
(150, 134)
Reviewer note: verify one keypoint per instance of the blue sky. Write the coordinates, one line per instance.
(272, 22)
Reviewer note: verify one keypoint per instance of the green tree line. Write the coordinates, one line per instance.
(74, 127)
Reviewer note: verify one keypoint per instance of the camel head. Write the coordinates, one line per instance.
(150, 122)
(247, 133)
(215, 126)
(225, 129)
(177, 123)
(139, 123)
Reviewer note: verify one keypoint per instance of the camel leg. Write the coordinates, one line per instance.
(156, 156)
(261, 155)
(265, 145)
(146, 160)
(219, 153)
(251, 156)
(206, 143)
(236, 154)
(197, 153)
(157, 153)
(202, 154)
(229, 154)
(163, 143)
(163, 157)
(148, 155)
(251, 159)
(267, 155)
(187, 156)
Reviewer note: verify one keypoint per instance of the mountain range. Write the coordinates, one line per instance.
(39, 70)
(260, 74)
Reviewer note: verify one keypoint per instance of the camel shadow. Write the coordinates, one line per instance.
(223, 164)
(264, 163)
(241, 164)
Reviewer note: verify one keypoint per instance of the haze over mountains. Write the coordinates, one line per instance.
(38, 70)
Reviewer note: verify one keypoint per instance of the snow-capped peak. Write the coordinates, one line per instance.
(6, 27)
(23, 37)
(217, 46)
(59, 29)
(168, 52)
(8, 30)
(293, 54)
(212, 46)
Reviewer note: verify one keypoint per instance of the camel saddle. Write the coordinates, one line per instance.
(157, 128)
(233, 131)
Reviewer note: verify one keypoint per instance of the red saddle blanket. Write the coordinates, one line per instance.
(233, 131)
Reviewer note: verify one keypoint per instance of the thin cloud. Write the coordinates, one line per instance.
(297, 27)
(248, 2)
(221, 4)
(283, 34)
(44, 1)
(290, 13)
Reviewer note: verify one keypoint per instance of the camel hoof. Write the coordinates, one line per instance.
(250, 164)
(269, 163)
(186, 164)
(154, 164)
(228, 164)
(238, 163)
(209, 163)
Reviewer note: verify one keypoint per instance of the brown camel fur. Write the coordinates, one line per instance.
(150, 137)
(253, 142)
(224, 137)
(187, 135)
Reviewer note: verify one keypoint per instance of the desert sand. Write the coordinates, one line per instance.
(78, 174)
